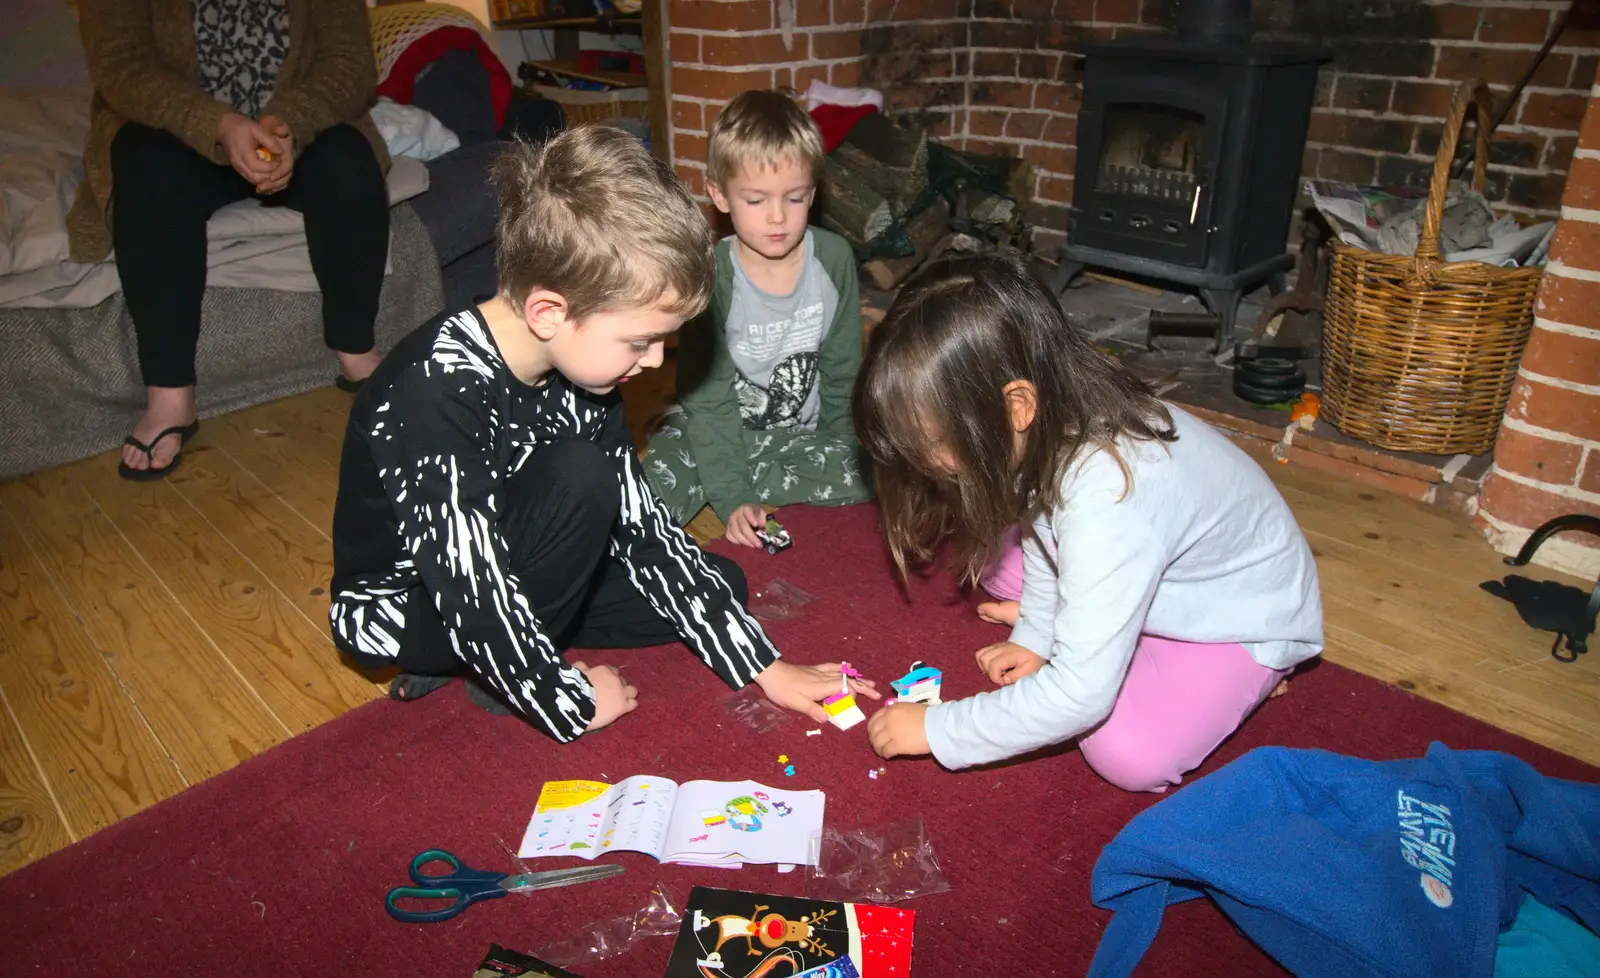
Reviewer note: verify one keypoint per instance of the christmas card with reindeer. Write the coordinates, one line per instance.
(729, 934)
(697, 823)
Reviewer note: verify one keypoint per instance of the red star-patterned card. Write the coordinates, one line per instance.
(885, 938)
(731, 934)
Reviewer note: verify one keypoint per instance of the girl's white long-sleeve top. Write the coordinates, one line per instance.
(1199, 548)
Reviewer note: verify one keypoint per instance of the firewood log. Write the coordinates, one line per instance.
(891, 159)
(850, 206)
(930, 234)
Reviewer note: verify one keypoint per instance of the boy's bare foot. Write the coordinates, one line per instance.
(357, 367)
(1000, 612)
(1279, 690)
(165, 407)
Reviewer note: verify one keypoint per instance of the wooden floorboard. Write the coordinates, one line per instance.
(95, 750)
(196, 703)
(286, 463)
(288, 660)
(292, 554)
(153, 634)
(31, 822)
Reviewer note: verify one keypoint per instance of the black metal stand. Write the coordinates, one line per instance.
(1220, 293)
(1578, 635)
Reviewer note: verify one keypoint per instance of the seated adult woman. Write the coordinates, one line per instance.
(200, 103)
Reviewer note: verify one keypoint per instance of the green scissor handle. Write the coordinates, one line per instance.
(462, 885)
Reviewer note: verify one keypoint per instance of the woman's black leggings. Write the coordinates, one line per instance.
(163, 193)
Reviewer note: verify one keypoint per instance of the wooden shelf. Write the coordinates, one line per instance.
(599, 25)
(569, 67)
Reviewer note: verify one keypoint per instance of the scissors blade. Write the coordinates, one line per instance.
(560, 877)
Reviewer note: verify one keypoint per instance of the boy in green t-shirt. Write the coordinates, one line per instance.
(764, 376)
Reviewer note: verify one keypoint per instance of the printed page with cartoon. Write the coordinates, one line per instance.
(588, 818)
(728, 823)
(702, 823)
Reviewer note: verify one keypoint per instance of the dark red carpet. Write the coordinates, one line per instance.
(280, 866)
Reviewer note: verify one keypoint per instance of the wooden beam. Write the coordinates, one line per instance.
(658, 74)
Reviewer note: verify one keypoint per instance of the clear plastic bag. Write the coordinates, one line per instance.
(779, 601)
(602, 939)
(755, 711)
(880, 865)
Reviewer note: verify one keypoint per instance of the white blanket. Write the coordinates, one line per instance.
(42, 133)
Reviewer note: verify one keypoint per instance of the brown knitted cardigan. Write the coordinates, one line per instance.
(143, 63)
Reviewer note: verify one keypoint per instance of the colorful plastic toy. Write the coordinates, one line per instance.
(776, 538)
(843, 711)
(920, 685)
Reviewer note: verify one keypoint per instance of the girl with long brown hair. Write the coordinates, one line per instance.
(1168, 589)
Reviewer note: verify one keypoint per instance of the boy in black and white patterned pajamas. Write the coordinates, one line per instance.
(491, 508)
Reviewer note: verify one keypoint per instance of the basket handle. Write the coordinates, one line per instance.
(1471, 94)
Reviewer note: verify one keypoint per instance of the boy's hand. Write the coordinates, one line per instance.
(897, 730)
(613, 695)
(1005, 663)
(803, 688)
(743, 524)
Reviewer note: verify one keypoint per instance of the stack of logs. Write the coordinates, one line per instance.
(876, 185)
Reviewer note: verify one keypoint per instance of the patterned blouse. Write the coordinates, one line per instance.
(421, 488)
(241, 45)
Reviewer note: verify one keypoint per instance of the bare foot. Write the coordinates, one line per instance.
(359, 366)
(1279, 690)
(165, 407)
(1000, 612)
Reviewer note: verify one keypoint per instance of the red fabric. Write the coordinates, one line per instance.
(426, 49)
(280, 866)
(836, 121)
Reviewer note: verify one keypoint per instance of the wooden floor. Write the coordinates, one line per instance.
(152, 635)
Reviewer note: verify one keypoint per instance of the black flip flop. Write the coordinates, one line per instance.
(184, 433)
(347, 385)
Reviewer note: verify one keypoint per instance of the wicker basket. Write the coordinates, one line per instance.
(1418, 353)
(579, 107)
(396, 25)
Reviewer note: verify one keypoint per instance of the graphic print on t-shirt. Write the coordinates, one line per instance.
(793, 344)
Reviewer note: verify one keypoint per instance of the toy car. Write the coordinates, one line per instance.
(775, 537)
(920, 685)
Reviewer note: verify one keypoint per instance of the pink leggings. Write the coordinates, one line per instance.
(1178, 702)
(1003, 578)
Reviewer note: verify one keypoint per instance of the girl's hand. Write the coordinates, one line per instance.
(613, 695)
(743, 524)
(897, 730)
(240, 137)
(1005, 663)
(803, 688)
(282, 162)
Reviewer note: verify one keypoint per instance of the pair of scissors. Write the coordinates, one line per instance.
(463, 886)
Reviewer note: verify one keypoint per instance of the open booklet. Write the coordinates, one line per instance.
(697, 823)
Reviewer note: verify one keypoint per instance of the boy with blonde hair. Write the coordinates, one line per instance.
(764, 376)
(491, 510)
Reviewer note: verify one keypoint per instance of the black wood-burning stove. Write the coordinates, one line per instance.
(1189, 149)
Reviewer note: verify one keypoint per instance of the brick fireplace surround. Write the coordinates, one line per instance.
(1002, 76)
(1547, 457)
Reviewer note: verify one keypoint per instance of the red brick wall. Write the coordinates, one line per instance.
(722, 47)
(1379, 109)
(1547, 458)
(1001, 75)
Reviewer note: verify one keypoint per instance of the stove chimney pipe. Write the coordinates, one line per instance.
(1214, 21)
